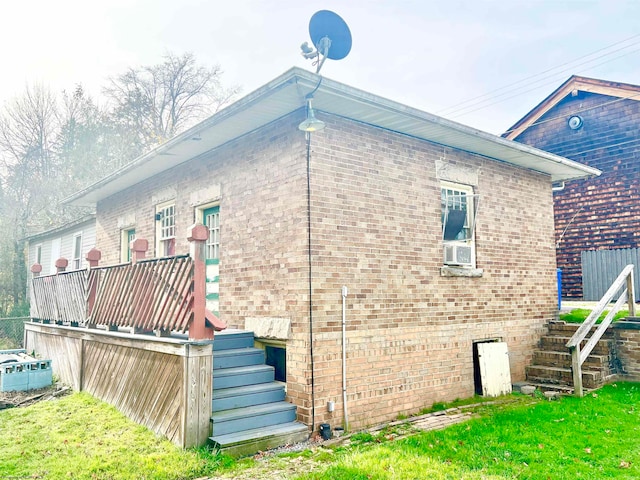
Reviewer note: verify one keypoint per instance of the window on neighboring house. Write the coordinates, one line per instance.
(166, 230)
(38, 258)
(126, 237)
(459, 208)
(76, 260)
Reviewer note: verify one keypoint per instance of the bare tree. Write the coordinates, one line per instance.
(159, 101)
(28, 128)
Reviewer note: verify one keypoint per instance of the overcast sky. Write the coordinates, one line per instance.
(428, 54)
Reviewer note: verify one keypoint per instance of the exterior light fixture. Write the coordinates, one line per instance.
(311, 124)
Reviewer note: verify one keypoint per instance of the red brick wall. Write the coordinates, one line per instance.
(376, 229)
(599, 213)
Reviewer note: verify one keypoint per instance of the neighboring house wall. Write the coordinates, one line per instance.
(59, 243)
(599, 213)
(376, 228)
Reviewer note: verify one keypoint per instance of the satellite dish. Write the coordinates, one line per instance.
(330, 35)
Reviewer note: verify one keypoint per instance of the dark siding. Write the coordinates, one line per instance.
(600, 213)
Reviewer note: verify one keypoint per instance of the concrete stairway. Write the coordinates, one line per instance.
(249, 408)
(551, 364)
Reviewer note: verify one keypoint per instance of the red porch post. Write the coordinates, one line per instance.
(198, 330)
(61, 265)
(93, 258)
(139, 249)
(36, 269)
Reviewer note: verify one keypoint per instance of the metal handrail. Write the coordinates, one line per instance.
(578, 357)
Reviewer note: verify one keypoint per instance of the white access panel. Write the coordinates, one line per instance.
(495, 374)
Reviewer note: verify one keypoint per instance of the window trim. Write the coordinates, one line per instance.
(76, 261)
(125, 247)
(160, 251)
(471, 201)
(38, 254)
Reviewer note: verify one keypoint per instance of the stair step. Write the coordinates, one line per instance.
(237, 357)
(547, 358)
(241, 376)
(554, 387)
(246, 396)
(232, 339)
(558, 375)
(568, 329)
(248, 442)
(558, 344)
(247, 418)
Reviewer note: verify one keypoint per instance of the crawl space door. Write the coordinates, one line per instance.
(495, 374)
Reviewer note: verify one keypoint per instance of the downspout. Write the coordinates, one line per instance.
(313, 392)
(345, 424)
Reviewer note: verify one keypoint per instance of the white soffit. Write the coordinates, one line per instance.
(286, 94)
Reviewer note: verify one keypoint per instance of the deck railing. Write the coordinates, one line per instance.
(622, 284)
(60, 298)
(149, 295)
(161, 295)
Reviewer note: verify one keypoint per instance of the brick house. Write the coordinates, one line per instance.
(442, 234)
(596, 123)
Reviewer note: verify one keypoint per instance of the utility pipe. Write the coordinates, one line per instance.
(344, 359)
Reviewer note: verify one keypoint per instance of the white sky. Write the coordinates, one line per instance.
(425, 53)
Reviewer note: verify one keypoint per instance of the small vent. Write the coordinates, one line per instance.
(458, 254)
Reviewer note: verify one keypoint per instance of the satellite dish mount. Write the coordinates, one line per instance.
(331, 37)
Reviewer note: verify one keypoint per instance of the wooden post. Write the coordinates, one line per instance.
(61, 265)
(577, 371)
(139, 248)
(36, 269)
(197, 238)
(93, 258)
(631, 295)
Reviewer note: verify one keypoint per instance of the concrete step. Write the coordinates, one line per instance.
(237, 357)
(232, 339)
(246, 396)
(247, 418)
(563, 359)
(551, 387)
(555, 343)
(562, 376)
(251, 441)
(242, 376)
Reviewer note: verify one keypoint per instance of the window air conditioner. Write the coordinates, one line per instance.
(458, 253)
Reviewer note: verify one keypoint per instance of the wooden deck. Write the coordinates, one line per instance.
(162, 383)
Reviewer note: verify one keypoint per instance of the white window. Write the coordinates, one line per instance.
(459, 208)
(76, 260)
(166, 230)
(38, 258)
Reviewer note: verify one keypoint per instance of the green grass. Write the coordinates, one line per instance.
(590, 438)
(82, 438)
(523, 438)
(579, 315)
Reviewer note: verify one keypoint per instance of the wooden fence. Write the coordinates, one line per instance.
(601, 267)
(162, 383)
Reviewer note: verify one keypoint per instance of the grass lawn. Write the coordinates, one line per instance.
(528, 438)
(579, 315)
(595, 438)
(80, 437)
